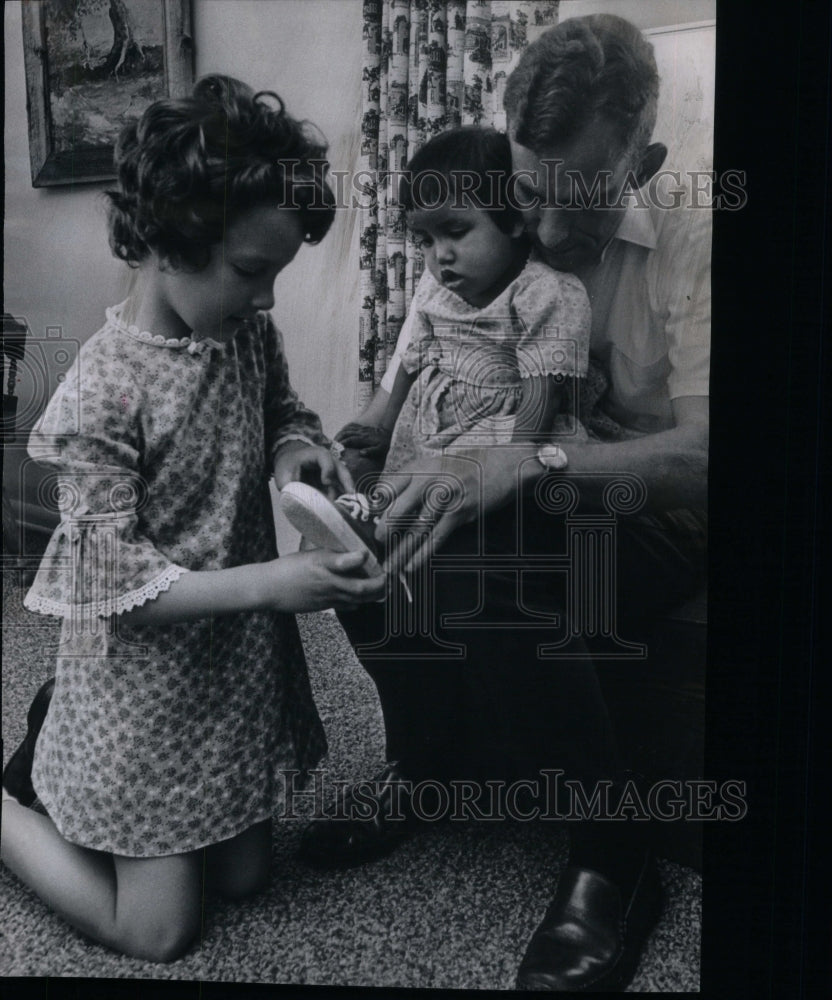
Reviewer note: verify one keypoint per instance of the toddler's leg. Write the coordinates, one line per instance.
(241, 866)
(145, 907)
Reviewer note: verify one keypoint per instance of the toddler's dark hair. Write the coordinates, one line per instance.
(188, 166)
(468, 160)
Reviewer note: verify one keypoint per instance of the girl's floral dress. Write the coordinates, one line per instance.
(163, 739)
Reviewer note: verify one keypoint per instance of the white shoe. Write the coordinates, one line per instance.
(345, 525)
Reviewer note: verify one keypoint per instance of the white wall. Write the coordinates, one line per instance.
(58, 268)
(643, 13)
(310, 53)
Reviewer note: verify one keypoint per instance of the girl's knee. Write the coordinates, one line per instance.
(158, 938)
(158, 906)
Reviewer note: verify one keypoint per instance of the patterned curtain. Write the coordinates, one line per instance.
(428, 65)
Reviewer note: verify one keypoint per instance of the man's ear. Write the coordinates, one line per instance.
(650, 162)
(517, 229)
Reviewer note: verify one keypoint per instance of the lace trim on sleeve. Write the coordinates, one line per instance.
(111, 606)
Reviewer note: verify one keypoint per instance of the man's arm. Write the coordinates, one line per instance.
(373, 414)
(370, 432)
(672, 464)
(381, 413)
(398, 394)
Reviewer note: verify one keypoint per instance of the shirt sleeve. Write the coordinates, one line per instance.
(552, 310)
(420, 333)
(682, 282)
(286, 417)
(412, 329)
(98, 562)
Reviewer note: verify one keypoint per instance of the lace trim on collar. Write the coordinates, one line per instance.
(114, 318)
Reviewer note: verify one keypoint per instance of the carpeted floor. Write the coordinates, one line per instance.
(452, 908)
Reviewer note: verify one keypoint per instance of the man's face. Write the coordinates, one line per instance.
(570, 195)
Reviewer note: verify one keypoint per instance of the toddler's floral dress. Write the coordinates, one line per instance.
(470, 361)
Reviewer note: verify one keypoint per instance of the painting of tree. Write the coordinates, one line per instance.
(92, 66)
(96, 44)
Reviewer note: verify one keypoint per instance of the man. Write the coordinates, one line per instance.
(581, 108)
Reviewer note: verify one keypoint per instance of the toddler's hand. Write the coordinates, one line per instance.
(297, 461)
(320, 579)
(373, 442)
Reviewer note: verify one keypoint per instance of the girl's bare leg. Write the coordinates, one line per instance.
(241, 866)
(145, 907)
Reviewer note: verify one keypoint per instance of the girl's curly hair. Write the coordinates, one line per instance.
(188, 166)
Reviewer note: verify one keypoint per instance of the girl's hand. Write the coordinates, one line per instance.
(313, 464)
(318, 579)
(372, 442)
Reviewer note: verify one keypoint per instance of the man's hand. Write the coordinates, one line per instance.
(369, 441)
(313, 464)
(450, 492)
(459, 488)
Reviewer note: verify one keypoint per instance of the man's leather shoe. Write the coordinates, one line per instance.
(591, 938)
(369, 822)
(17, 775)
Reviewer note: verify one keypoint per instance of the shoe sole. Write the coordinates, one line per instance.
(320, 521)
(17, 774)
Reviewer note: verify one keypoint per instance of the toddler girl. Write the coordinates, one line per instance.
(493, 332)
(181, 692)
(495, 339)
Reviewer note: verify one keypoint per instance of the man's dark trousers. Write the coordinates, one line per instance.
(480, 703)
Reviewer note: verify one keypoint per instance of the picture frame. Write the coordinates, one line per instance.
(92, 65)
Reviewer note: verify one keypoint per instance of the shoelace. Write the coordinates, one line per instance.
(357, 506)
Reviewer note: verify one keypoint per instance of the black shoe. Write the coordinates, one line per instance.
(591, 938)
(369, 822)
(17, 775)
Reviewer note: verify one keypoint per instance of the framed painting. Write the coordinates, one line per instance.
(91, 66)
